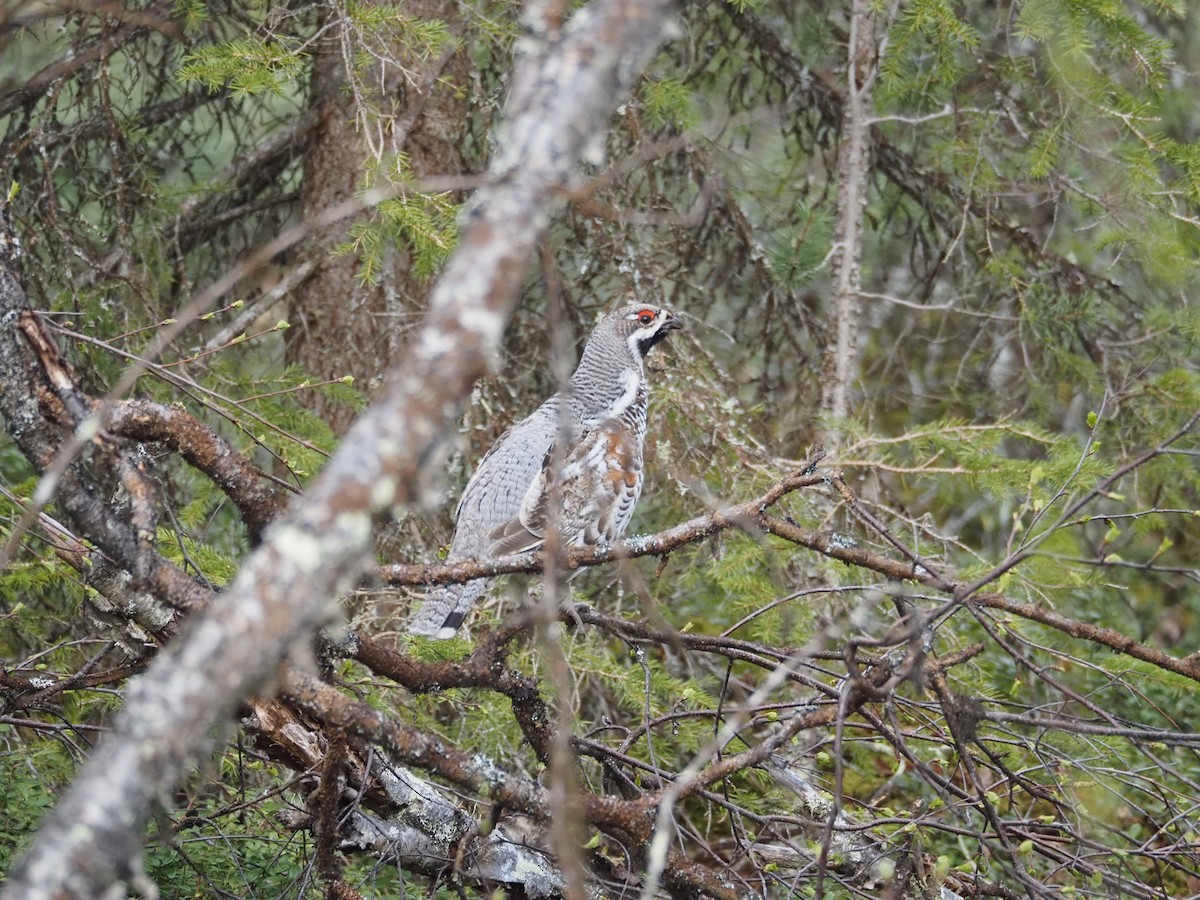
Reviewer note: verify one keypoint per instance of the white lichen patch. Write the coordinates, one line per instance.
(383, 492)
(486, 323)
(637, 543)
(298, 546)
(492, 773)
(435, 343)
(309, 550)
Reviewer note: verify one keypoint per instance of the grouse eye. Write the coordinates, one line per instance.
(646, 317)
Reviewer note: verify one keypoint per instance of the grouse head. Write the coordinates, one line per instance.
(642, 327)
(611, 365)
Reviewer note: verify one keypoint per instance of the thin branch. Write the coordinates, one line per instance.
(747, 516)
(1189, 667)
(559, 104)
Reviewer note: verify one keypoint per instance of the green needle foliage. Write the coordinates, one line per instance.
(1022, 423)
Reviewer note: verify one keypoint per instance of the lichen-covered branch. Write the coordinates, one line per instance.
(563, 92)
(256, 500)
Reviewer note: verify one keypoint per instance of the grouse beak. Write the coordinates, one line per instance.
(667, 322)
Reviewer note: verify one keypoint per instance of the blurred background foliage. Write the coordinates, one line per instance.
(1032, 230)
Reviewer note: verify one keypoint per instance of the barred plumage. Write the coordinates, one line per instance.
(596, 475)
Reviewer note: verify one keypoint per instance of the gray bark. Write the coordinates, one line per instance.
(853, 173)
(569, 78)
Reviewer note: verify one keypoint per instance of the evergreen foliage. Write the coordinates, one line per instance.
(1027, 335)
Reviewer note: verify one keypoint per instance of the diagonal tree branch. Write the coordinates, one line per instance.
(563, 92)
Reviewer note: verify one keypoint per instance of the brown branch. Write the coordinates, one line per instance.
(485, 667)
(50, 727)
(410, 746)
(38, 402)
(1188, 667)
(626, 819)
(325, 801)
(38, 687)
(748, 516)
(839, 548)
(201, 447)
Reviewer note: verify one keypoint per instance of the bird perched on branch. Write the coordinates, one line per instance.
(574, 465)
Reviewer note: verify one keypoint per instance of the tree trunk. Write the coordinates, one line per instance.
(840, 366)
(340, 325)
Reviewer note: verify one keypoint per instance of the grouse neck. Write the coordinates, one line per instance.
(592, 401)
(605, 355)
(633, 394)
